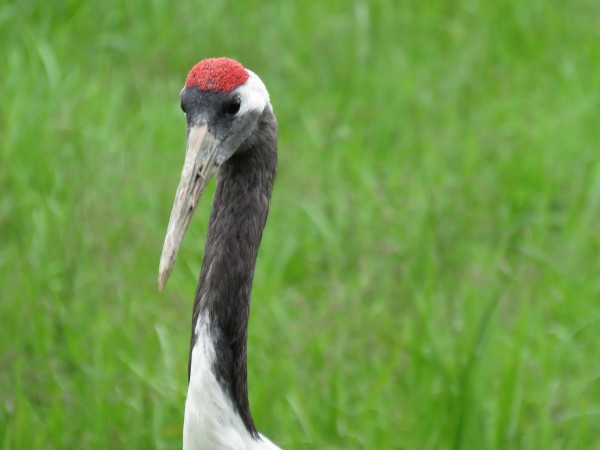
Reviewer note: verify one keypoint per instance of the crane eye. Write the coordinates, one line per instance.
(182, 107)
(234, 106)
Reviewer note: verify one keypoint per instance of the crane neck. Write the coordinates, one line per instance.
(238, 216)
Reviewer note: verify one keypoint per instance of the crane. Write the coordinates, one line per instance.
(231, 132)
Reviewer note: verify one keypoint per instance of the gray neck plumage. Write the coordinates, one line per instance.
(239, 212)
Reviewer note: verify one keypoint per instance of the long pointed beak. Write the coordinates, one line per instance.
(198, 168)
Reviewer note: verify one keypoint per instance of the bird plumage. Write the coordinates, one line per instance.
(232, 132)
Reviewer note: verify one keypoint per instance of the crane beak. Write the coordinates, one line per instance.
(198, 168)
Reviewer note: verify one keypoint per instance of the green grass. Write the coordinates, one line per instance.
(430, 273)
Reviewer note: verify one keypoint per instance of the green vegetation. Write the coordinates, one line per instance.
(430, 272)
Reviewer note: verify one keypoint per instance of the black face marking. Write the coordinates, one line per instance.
(219, 110)
(212, 107)
(239, 212)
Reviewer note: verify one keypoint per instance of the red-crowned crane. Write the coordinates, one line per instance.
(231, 132)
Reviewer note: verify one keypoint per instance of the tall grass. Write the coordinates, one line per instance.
(430, 273)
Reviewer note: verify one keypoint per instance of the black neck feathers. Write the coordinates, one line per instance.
(239, 212)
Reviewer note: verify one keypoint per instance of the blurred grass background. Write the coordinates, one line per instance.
(430, 272)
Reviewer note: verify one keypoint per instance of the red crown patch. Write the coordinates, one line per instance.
(217, 74)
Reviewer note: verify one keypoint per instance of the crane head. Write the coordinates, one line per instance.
(222, 102)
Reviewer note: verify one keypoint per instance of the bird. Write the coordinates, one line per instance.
(231, 133)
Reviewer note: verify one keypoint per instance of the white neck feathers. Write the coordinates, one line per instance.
(211, 422)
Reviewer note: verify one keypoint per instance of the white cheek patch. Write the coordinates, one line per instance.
(253, 94)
